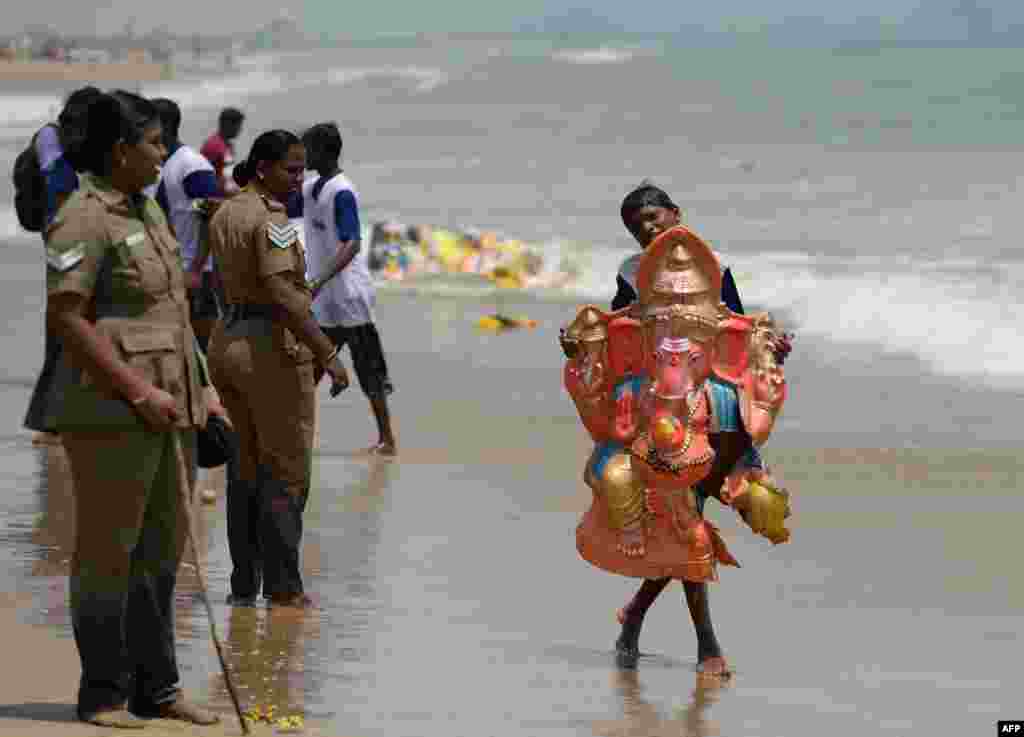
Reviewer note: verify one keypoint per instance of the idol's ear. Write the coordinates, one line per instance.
(730, 351)
(590, 324)
(625, 347)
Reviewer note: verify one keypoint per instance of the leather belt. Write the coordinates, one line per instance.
(236, 312)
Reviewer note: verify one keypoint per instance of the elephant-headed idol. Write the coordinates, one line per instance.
(639, 378)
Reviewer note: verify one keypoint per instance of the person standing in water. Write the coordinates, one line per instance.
(343, 291)
(647, 212)
(262, 360)
(135, 392)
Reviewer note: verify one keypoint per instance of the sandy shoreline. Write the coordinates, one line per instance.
(39, 700)
(862, 518)
(442, 575)
(98, 73)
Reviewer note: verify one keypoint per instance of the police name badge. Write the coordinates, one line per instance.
(282, 236)
(64, 261)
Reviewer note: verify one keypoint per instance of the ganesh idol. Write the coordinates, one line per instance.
(648, 382)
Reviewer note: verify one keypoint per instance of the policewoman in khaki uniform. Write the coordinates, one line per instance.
(133, 383)
(262, 362)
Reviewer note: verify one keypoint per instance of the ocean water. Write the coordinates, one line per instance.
(870, 197)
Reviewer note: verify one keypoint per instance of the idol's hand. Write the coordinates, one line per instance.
(770, 388)
(783, 345)
(625, 417)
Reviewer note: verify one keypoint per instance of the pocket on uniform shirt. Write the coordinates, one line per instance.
(155, 355)
(138, 268)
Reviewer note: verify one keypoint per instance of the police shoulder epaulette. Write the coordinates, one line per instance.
(273, 205)
(63, 261)
(152, 212)
(282, 236)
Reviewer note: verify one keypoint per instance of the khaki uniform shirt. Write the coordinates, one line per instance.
(118, 253)
(252, 239)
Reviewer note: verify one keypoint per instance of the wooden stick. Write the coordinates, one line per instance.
(186, 492)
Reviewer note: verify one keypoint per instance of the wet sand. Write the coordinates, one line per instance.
(451, 600)
(95, 73)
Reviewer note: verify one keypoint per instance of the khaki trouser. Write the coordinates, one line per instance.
(131, 529)
(271, 399)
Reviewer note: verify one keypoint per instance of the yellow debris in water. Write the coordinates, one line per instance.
(265, 714)
(504, 322)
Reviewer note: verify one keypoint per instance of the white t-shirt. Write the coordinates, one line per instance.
(349, 298)
(182, 163)
(629, 268)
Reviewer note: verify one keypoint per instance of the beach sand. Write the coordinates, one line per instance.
(93, 73)
(451, 599)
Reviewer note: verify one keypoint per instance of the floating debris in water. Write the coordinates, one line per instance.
(284, 724)
(504, 322)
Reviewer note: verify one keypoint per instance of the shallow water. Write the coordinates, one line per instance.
(451, 600)
(873, 195)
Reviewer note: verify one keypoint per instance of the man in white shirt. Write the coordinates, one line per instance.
(343, 291)
(186, 178)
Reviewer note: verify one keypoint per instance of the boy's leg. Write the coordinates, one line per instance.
(729, 447)
(709, 652)
(631, 617)
(372, 371)
(386, 439)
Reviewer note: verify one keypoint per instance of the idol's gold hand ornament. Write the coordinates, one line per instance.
(764, 506)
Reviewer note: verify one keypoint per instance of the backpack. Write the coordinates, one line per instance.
(30, 189)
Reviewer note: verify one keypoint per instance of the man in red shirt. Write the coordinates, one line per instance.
(218, 149)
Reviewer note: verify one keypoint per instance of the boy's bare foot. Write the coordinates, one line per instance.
(714, 666)
(384, 449)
